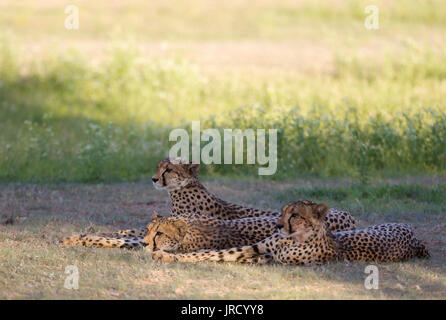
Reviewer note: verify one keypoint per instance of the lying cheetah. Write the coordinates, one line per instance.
(304, 239)
(196, 232)
(188, 197)
(188, 233)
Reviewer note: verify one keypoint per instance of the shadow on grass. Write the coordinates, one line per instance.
(48, 212)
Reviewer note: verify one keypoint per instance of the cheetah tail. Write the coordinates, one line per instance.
(421, 250)
(73, 240)
(101, 242)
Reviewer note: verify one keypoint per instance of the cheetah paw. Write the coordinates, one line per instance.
(264, 259)
(163, 256)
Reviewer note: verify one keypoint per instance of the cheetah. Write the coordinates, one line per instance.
(186, 233)
(190, 197)
(304, 239)
(197, 232)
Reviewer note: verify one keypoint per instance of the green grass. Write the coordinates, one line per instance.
(64, 119)
(434, 195)
(98, 103)
(361, 116)
(33, 264)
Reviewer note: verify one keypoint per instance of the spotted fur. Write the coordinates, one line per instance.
(124, 239)
(190, 197)
(197, 232)
(304, 239)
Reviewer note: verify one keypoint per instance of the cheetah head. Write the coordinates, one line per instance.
(164, 234)
(174, 174)
(302, 219)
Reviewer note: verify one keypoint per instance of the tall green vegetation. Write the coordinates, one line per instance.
(63, 118)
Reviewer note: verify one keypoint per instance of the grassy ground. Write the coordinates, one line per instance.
(97, 104)
(35, 216)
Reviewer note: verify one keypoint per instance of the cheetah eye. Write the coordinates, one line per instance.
(167, 170)
(158, 234)
(298, 218)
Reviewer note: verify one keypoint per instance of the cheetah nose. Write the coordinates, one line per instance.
(155, 180)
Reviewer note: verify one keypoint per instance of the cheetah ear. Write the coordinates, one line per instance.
(193, 168)
(155, 215)
(289, 206)
(284, 208)
(321, 210)
(181, 225)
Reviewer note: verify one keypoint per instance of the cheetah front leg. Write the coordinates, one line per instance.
(239, 254)
(129, 233)
(218, 256)
(257, 253)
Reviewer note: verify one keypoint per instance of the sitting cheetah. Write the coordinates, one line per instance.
(304, 239)
(188, 197)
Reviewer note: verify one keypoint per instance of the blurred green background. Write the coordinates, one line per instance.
(98, 103)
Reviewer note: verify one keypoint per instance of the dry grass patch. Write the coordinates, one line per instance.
(33, 263)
